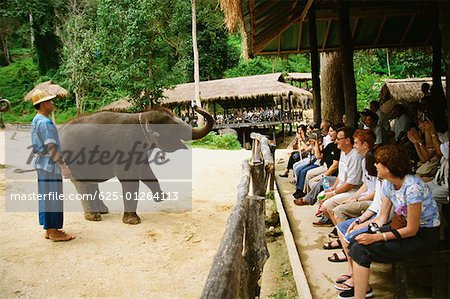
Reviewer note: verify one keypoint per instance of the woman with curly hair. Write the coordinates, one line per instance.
(414, 230)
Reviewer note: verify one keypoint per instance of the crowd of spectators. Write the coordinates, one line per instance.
(251, 115)
(380, 186)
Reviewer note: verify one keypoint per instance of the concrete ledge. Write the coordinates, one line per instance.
(301, 282)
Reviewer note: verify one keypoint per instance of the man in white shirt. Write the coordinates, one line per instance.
(349, 177)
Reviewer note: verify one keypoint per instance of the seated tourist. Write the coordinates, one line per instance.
(349, 177)
(401, 122)
(299, 146)
(371, 121)
(347, 230)
(414, 230)
(383, 120)
(329, 161)
(364, 142)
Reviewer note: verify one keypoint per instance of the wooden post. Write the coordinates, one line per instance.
(315, 65)
(214, 107)
(224, 277)
(272, 173)
(437, 90)
(348, 74)
(255, 249)
(444, 23)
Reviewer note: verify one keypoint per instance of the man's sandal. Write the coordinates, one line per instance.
(329, 245)
(343, 278)
(334, 258)
(343, 286)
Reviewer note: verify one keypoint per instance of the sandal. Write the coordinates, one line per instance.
(284, 175)
(329, 245)
(343, 286)
(343, 278)
(333, 234)
(334, 258)
(318, 213)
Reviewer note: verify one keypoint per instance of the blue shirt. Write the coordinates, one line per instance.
(43, 133)
(413, 191)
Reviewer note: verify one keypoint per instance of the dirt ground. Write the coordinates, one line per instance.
(168, 255)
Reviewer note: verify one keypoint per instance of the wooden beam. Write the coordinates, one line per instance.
(325, 38)
(268, 38)
(411, 21)
(355, 26)
(300, 29)
(252, 22)
(279, 44)
(380, 30)
(348, 72)
(315, 64)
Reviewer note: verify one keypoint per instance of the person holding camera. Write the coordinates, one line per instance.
(414, 230)
(299, 147)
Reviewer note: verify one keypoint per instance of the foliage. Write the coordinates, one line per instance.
(368, 81)
(214, 141)
(266, 65)
(16, 80)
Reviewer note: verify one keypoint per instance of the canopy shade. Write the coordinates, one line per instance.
(279, 27)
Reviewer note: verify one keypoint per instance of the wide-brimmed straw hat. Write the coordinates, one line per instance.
(40, 96)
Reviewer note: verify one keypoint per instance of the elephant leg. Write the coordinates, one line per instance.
(150, 180)
(87, 191)
(130, 206)
(99, 205)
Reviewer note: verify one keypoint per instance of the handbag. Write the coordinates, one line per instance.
(398, 221)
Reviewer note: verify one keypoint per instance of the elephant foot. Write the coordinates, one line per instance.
(92, 216)
(131, 218)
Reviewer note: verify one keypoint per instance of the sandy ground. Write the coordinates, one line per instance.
(167, 256)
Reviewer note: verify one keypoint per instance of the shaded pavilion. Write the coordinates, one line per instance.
(277, 27)
(260, 91)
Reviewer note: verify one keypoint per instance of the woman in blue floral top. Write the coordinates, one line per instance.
(415, 231)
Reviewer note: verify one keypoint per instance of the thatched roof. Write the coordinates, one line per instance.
(298, 77)
(118, 106)
(51, 87)
(404, 90)
(240, 88)
(281, 27)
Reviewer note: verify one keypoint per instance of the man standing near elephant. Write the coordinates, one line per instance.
(50, 167)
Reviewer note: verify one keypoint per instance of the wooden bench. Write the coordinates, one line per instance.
(440, 264)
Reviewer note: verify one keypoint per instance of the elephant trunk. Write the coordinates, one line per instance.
(202, 132)
(5, 105)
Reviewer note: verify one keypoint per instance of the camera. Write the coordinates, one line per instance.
(374, 228)
(315, 134)
(423, 117)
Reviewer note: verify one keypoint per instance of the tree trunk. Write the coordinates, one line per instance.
(4, 54)
(201, 120)
(333, 105)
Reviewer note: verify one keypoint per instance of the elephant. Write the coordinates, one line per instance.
(113, 131)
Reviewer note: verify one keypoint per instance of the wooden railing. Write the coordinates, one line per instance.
(239, 261)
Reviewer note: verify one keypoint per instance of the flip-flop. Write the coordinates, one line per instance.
(343, 278)
(329, 246)
(343, 286)
(334, 258)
